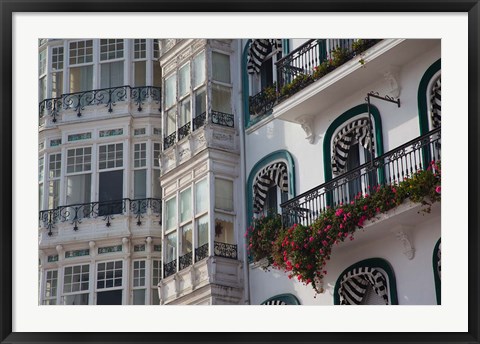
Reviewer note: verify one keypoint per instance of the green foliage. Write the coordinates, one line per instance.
(303, 252)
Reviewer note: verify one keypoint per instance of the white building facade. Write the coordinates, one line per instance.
(151, 152)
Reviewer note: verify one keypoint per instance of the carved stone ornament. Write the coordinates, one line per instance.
(307, 125)
(391, 77)
(408, 249)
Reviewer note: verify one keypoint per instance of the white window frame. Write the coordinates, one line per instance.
(81, 291)
(105, 288)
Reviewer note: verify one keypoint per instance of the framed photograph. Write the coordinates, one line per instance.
(185, 169)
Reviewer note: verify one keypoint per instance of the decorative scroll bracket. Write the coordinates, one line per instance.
(306, 121)
(401, 233)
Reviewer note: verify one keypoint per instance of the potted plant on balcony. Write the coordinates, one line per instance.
(301, 81)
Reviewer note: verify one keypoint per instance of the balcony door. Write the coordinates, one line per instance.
(357, 156)
(110, 193)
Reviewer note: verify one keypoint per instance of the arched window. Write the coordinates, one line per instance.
(281, 300)
(271, 181)
(437, 270)
(368, 282)
(268, 184)
(429, 98)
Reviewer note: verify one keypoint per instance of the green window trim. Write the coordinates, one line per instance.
(342, 119)
(289, 299)
(371, 263)
(422, 96)
(438, 282)
(422, 104)
(265, 161)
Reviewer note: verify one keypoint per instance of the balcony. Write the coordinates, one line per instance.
(387, 169)
(79, 102)
(303, 66)
(88, 215)
(216, 117)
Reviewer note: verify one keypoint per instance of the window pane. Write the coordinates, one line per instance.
(171, 247)
(111, 74)
(170, 90)
(202, 230)
(184, 112)
(171, 121)
(221, 67)
(184, 80)
(200, 102)
(140, 73)
(79, 299)
(224, 232)
(57, 84)
(81, 79)
(78, 189)
(54, 194)
(221, 99)
(223, 194)
(171, 212)
(155, 297)
(201, 196)
(110, 193)
(199, 69)
(140, 184)
(187, 241)
(139, 296)
(186, 205)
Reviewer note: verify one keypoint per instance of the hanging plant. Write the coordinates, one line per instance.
(303, 251)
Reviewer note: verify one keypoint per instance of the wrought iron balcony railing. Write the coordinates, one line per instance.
(199, 121)
(304, 65)
(221, 118)
(389, 168)
(108, 97)
(75, 214)
(201, 252)
(216, 117)
(185, 261)
(169, 268)
(222, 249)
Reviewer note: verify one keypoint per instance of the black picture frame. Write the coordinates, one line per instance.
(7, 10)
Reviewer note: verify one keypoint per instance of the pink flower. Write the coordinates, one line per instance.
(339, 212)
(438, 189)
(311, 239)
(297, 266)
(365, 207)
(325, 243)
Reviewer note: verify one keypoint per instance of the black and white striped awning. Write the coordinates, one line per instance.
(355, 283)
(259, 49)
(357, 130)
(436, 103)
(274, 303)
(276, 173)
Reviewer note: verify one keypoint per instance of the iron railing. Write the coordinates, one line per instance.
(169, 140)
(183, 131)
(108, 97)
(389, 168)
(298, 70)
(201, 252)
(221, 118)
(106, 210)
(169, 268)
(199, 121)
(222, 249)
(185, 261)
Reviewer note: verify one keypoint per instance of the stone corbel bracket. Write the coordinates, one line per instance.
(307, 121)
(391, 76)
(401, 234)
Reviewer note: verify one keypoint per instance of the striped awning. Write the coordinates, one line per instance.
(436, 103)
(357, 130)
(259, 49)
(355, 283)
(274, 303)
(276, 173)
